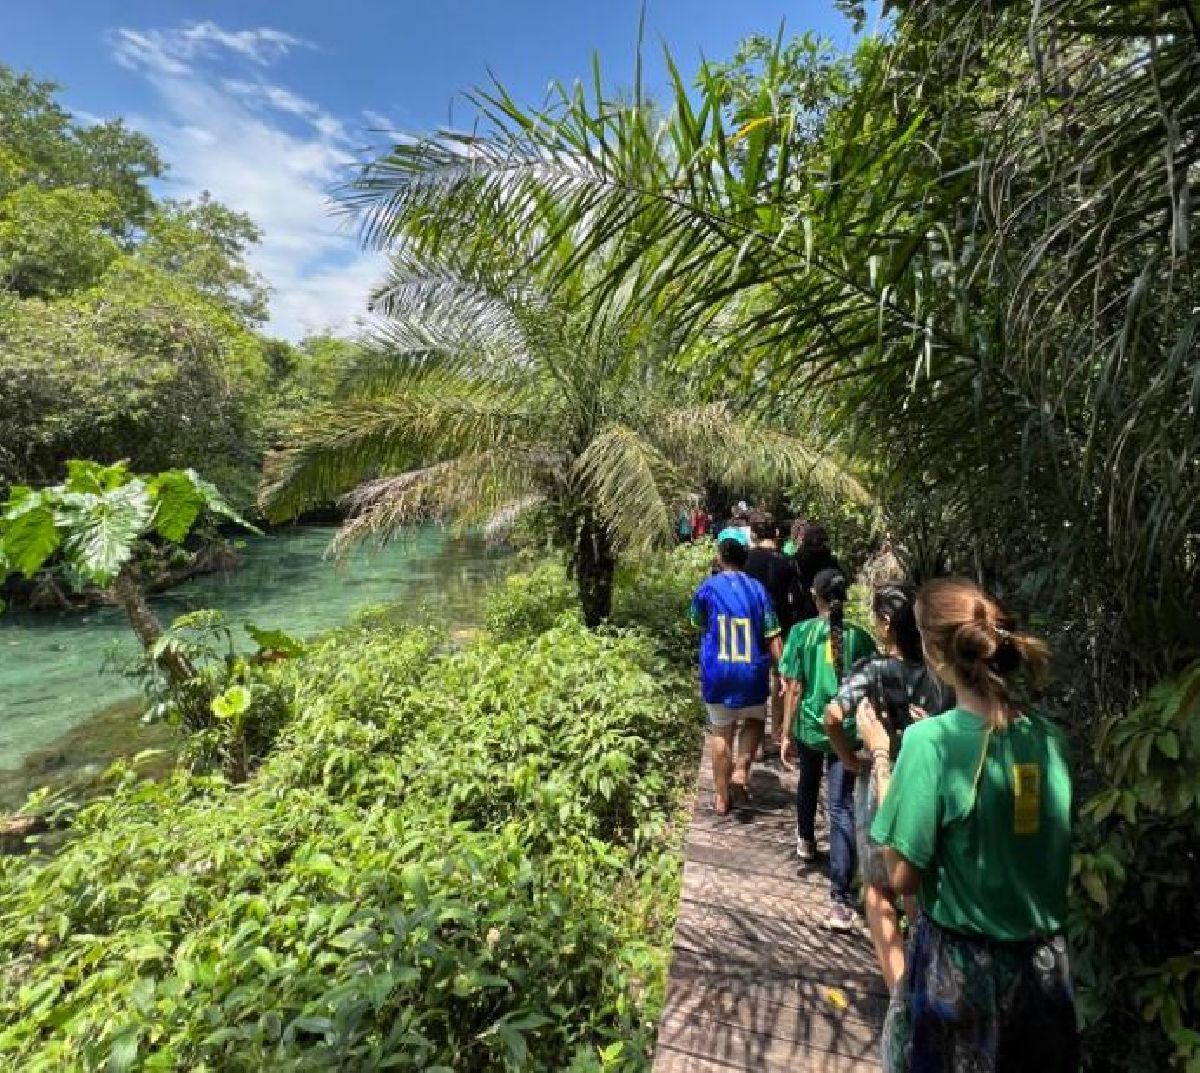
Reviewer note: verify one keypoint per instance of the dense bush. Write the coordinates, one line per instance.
(656, 595)
(454, 859)
(532, 601)
(1136, 867)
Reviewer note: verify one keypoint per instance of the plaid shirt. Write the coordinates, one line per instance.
(893, 686)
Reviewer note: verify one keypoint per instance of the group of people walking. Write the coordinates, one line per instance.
(948, 801)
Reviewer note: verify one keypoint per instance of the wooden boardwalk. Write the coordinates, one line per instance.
(757, 981)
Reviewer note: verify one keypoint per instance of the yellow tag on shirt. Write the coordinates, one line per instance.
(1027, 798)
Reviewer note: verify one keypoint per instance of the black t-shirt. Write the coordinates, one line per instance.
(806, 564)
(776, 575)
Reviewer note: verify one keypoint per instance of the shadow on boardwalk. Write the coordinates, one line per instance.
(757, 981)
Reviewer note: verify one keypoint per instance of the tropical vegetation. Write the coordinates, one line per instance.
(93, 529)
(486, 396)
(950, 274)
(966, 252)
(453, 858)
(130, 325)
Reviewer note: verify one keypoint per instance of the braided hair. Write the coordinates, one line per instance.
(830, 586)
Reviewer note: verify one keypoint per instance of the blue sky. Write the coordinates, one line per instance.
(267, 103)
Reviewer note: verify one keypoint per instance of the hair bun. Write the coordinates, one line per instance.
(972, 642)
(1007, 657)
(974, 637)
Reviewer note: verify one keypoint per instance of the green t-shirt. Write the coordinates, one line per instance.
(808, 657)
(994, 861)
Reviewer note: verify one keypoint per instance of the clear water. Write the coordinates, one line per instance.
(53, 672)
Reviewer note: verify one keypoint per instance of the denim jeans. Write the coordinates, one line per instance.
(840, 797)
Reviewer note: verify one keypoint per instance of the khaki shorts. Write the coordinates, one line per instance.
(720, 716)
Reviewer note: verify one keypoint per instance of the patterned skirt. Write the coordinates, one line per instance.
(970, 1005)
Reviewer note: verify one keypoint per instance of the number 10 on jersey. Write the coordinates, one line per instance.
(733, 640)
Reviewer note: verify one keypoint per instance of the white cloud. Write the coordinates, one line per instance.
(264, 96)
(83, 118)
(377, 120)
(171, 50)
(261, 148)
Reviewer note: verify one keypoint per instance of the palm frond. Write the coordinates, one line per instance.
(429, 307)
(471, 489)
(340, 444)
(498, 527)
(659, 201)
(632, 487)
(742, 452)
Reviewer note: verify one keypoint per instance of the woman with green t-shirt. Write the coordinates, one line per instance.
(977, 823)
(819, 652)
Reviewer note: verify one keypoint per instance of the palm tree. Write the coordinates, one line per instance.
(992, 230)
(483, 397)
(988, 265)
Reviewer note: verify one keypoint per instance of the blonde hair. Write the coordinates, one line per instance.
(970, 632)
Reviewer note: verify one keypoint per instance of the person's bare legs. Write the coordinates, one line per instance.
(884, 923)
(748, 743)
(778, 694)
(721, 743)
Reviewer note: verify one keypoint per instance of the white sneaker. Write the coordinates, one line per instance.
(841, 917)
(806, 849)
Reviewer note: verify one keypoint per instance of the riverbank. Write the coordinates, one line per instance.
(460, 855)
(168, 568)
(76, 762)
(58, 669)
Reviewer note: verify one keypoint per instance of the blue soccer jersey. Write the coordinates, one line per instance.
(738, 621)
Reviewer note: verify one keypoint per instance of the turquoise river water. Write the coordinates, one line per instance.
(56, 668)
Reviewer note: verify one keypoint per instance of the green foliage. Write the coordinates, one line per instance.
(203, 244)
(655, 595)
(1134, 926)
(127, 324)
(95, 518)
(53, 242)
(969, 261)
(44, 146)
(483, 400)
(275, 641)
(134, 368)
(529, 602)
(233, 704)
(454, 859)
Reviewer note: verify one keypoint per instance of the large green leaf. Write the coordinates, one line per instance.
(177, 504)
(102, 530)
(275, 640)
(20, 499)
(29, 538)
(233, 702)
(215, 503)
(95, 478)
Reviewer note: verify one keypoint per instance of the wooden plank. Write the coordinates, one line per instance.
(696, 983)
(757, 982)
(773, 1036)
(670, 1059)
(783, 1010)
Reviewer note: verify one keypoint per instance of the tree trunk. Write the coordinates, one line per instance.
(595, 564)
(15, 830)
(178, 669)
